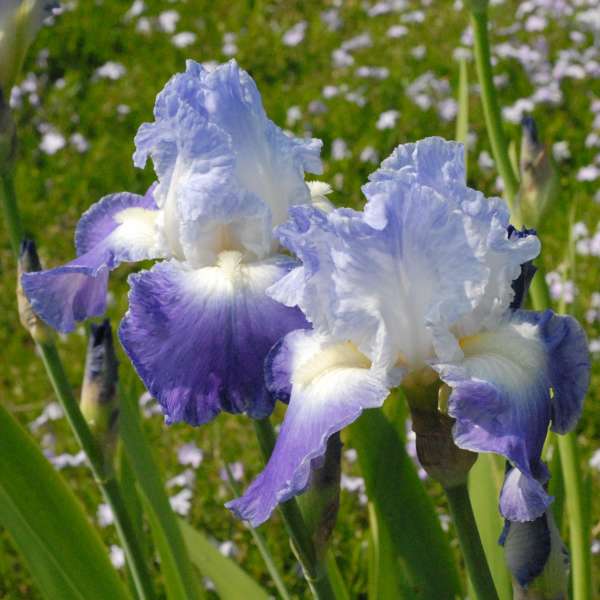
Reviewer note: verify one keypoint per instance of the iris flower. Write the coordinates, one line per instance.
(417, 288)
(199, 323)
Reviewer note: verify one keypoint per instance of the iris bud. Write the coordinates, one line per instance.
(537, 559)
(19, 23)
(98, 394)
(441, 458)
(28, 262)
(539, 181)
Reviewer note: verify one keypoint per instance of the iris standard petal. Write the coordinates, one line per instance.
(198, 337)
(331, 384)
(118, 228)
(227, 173)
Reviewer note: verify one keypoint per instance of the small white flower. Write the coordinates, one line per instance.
(111, 70)
(52, 142)
(183, 39)
(104, 515)
(181, 503)
(117, 556)
(387, 120)
(190, 454)
(295, 35)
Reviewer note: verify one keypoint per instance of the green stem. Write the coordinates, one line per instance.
(491, 110)
(315, 570)
(261, 544)
(470, 543)
(104, 477)
(11, 212)
(579, 533)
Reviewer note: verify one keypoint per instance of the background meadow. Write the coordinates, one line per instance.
(363, 76)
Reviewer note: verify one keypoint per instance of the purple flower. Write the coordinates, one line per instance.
(199, 323)
(419, 285)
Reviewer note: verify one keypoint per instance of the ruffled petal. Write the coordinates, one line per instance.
(119, 228)
(227, 173)
(390, 290)
(198, 337)
(438, 166)
(331, 384)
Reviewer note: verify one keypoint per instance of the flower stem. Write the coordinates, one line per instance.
(579, 533)
(104, 477)
(261, 545)
(315, 569)
(11, 212)
(470, 543)
(491, 111)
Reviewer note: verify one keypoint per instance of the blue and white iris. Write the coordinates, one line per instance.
(419, 286)
(424, 284)
(199, 323)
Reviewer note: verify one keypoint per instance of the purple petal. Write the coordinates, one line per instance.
(568, 368)
(198, 338)
(332, 384)
(523, 498)
(118, 228)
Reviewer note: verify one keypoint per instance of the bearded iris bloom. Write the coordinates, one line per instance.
(419, 287)
(199, 323)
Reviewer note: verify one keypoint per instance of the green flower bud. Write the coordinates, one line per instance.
(19, 23)
(99, 404)
(28, 262)
(539, 181)
(537, 559)
(441, 458)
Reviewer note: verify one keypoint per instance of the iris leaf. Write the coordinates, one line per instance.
(64, 553)
(180, 581)
(406, 513)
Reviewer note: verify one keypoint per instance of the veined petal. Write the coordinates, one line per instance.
(331, 384)
(118, 228)
(502, 399)
(227, 173)
(198, 337)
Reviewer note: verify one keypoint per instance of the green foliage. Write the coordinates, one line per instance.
(64, 554)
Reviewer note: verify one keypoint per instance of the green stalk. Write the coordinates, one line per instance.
(11, 213)
(261, 545)
(540, 299)
(579, 532)
(491, 110)
(470, 543)
(106, 480)
(315, 569)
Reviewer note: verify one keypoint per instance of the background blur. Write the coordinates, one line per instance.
(362, 76)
